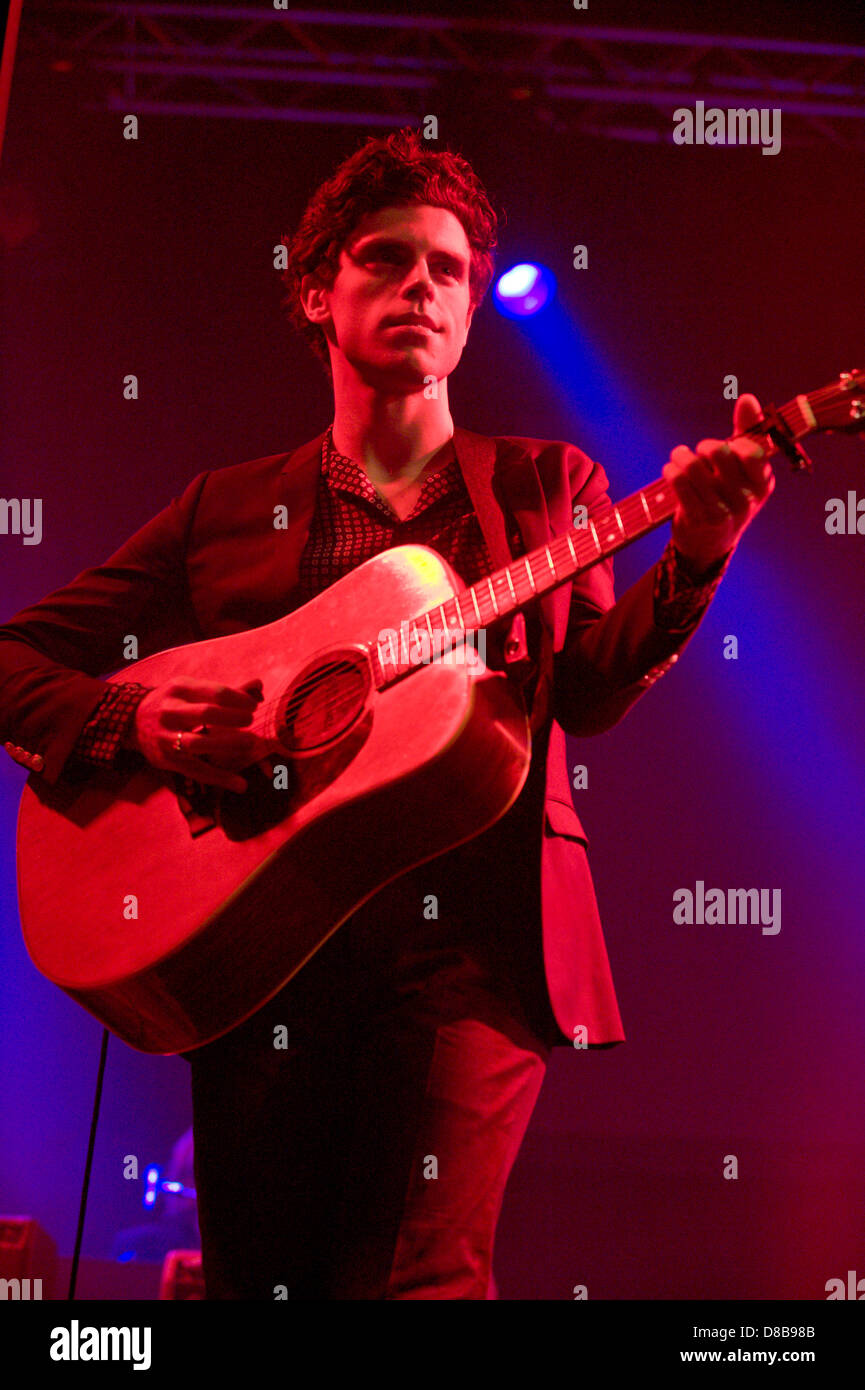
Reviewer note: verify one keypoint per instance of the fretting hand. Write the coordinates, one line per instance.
(720, 489)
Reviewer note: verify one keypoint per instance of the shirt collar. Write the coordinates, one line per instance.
(346, 475)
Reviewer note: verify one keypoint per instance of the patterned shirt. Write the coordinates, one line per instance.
(352, 523)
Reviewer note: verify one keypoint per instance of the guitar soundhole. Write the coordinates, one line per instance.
(324, 701)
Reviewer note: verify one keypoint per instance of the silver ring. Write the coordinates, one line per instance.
(178, 744)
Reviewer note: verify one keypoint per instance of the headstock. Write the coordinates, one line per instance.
(840, 406)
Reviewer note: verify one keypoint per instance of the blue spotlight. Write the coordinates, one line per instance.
(524, 290)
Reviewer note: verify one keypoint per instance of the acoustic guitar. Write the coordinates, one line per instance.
(172, 911)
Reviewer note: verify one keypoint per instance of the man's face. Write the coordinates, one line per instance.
(399, 262)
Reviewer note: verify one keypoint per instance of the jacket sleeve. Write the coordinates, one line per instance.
(615, 649)
(52, 653)
(102, 736)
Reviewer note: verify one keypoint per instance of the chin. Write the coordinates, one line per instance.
(394, 373)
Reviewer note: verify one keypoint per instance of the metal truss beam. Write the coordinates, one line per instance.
(373, 68)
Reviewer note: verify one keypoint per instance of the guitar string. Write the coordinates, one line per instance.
(317, 678)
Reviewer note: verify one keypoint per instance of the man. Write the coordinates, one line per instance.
(366, 1156)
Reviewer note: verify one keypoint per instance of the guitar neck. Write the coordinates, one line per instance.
(839, 406)
(518, 584)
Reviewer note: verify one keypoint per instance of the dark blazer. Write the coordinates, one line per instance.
(213, 563)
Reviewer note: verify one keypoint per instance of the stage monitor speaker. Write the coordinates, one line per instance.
(28, 1259)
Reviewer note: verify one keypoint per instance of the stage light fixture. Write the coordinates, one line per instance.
(524, 290)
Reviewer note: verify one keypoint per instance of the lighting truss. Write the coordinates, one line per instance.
(373, 68)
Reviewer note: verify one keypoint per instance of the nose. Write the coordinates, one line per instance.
(419, 283)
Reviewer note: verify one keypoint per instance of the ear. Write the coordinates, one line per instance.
(469, 317)
(313, 297)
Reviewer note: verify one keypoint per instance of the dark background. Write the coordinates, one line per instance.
(155, 257)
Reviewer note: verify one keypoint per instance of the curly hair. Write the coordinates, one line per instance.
(395, 171)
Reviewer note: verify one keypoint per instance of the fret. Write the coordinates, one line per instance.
(569, 553)
(583, 549)
(514, 586)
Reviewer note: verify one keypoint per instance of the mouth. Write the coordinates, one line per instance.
(418, 322)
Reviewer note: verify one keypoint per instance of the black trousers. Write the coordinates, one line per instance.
(354, 1137)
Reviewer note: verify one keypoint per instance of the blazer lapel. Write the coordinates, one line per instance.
(516, 487)
(296, 491)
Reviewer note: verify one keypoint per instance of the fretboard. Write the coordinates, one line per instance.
(507, 590)
(518, 584)
(531, 576)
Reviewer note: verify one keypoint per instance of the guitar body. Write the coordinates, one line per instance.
(172, 929)
(172, 913)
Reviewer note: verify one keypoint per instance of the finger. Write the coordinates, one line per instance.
(681, 455)
(206, 773)
(680, 461)
(191, 716)
(727, 475)
(213, 693)
(728, 478)
(700, 505)
(712, 450)
(217, 744)
(749, 468)
(746, 412)
(743, 473)
(704, 482)
(225, 749)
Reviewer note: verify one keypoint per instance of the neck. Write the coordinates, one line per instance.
(391, 436)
